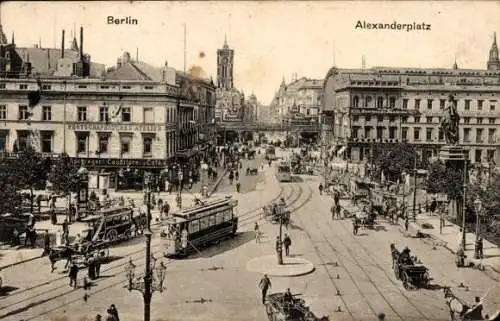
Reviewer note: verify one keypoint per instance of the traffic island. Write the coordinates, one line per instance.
(291, 266)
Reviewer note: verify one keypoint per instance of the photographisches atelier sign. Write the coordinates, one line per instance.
(117, 127)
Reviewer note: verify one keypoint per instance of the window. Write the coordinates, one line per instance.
(392, 132)
(491, 120)
(467, 104)
(417, 104)
(354, 132)
(82, 113)
(46, 142)
(3, 142)
(478, 156)
(81, 141)
(355, 101)
(126, 114)
(392, 119)
(466, 120)
(82, 86)
(392, 102)
(147, 145)
(467, 135)
(203, 223)
(148, 87)
(3, 112)
(368, 100)
(149, 115)
(103, 143)
(194, 226)
(125, 142)
(23, 112)
(380, 118)
(103, 114)
(368, 130)
(416, 133)
(492, 105)
(479, 120)
(405, 103)
(380, 102)
(428, 120)
(428, 134)
(228, 215)
(355, 118)
(211, 220)
(479, 135)
(404, 119)
(23, 86)
(429, 103)
(492, 135)
(441, 135)
(380, 132)
(479, 105)
(219, 218)
(104, 87)
(368, 118)
(442, 103)
(46, 113)
(404, 133)
(417, 119)
(2, 86)
(490, 155)
(46, 87)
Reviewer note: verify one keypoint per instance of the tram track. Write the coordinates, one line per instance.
(341, 263)
(119, 265)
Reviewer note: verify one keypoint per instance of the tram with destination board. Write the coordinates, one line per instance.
(284, 172)
(194, 228)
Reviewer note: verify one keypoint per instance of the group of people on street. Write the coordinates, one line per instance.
(111, 314)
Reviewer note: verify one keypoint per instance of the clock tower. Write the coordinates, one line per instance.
(225, 64)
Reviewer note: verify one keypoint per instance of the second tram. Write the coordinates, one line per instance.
(198, 226)
(284, 172)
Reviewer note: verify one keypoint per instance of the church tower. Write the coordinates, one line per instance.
(225, 64)
(493, 61)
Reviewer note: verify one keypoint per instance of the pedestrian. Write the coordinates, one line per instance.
(98, 317)
(320, 187)
(238, 187)
(46, 243)
(73, 274)
(287, 242)
(264, 285)
(53, 216)
(381, 317)
(109, 315)
(407, 223)
(332, 210)
(160, 206)
(59, 237)
(166, 208)
(114, 312)
(479, 247)
(237, 175)
(257, 232)
(15, 237)
(441, 224)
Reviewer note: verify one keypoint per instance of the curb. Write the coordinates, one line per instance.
(20, 262)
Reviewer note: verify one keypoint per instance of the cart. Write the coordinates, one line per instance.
(272, 214)
(412, 275)
(280, 309)
(79, 253)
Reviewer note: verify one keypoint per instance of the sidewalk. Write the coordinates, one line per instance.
(450, 239)
(14, 255)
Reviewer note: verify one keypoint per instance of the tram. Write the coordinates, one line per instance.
(270, 153)
(196, 227)
(284, 172)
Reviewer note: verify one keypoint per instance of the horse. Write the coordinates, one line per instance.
(458, 309)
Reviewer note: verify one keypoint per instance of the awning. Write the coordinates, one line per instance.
(341, 150)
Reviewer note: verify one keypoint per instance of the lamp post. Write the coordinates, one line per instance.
(180, 175)
(98, 153)
(204, 169)
(154, 276)
(415, 188)
(279, 243)
(82, 175)
(478, 205)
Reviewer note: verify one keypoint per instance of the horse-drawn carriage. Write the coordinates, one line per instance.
(80, 254)
(281, 308)
(273, 212)
(485, 308)
(408, 269)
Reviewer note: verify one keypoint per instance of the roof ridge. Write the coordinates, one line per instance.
(142, 73)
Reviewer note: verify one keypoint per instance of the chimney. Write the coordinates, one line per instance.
(81, 43)
(62, 45)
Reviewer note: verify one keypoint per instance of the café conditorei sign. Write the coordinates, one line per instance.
(120, 162)
(116, 127)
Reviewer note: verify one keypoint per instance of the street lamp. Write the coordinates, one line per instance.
(279, 243)
(149, 282)
(180, 175)
(478, 205)
(204, 169)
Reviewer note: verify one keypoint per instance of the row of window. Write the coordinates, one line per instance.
(417, 102)
(429, 134)
(210, 220)
(49, 87)
(428, 119)
(103, 139)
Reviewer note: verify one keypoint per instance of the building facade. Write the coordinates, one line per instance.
(134, 116)
(362, 108)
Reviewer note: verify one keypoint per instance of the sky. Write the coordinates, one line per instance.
(271, 39)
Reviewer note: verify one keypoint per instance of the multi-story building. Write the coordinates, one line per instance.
(365, 107)
(229, 101)
(134, 116)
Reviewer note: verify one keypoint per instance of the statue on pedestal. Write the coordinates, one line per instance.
(451, 119)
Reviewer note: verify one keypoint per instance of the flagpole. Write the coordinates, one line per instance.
(185, 47)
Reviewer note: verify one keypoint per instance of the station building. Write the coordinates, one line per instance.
(383, 105)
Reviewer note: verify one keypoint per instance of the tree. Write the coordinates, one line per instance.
(393, 159)
(489, 194)
(444, 179)
(9, 188)
(64, 176)
(30, 169)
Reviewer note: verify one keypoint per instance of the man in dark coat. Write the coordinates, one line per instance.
(73, 274)
(264, 285)
(287, 242)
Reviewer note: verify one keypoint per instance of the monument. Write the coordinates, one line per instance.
(454, 156)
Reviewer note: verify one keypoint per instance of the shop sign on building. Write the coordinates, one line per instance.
(85, 126)
(120, 162)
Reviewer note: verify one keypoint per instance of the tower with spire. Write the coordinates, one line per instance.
(493, 60)
(225, 66)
